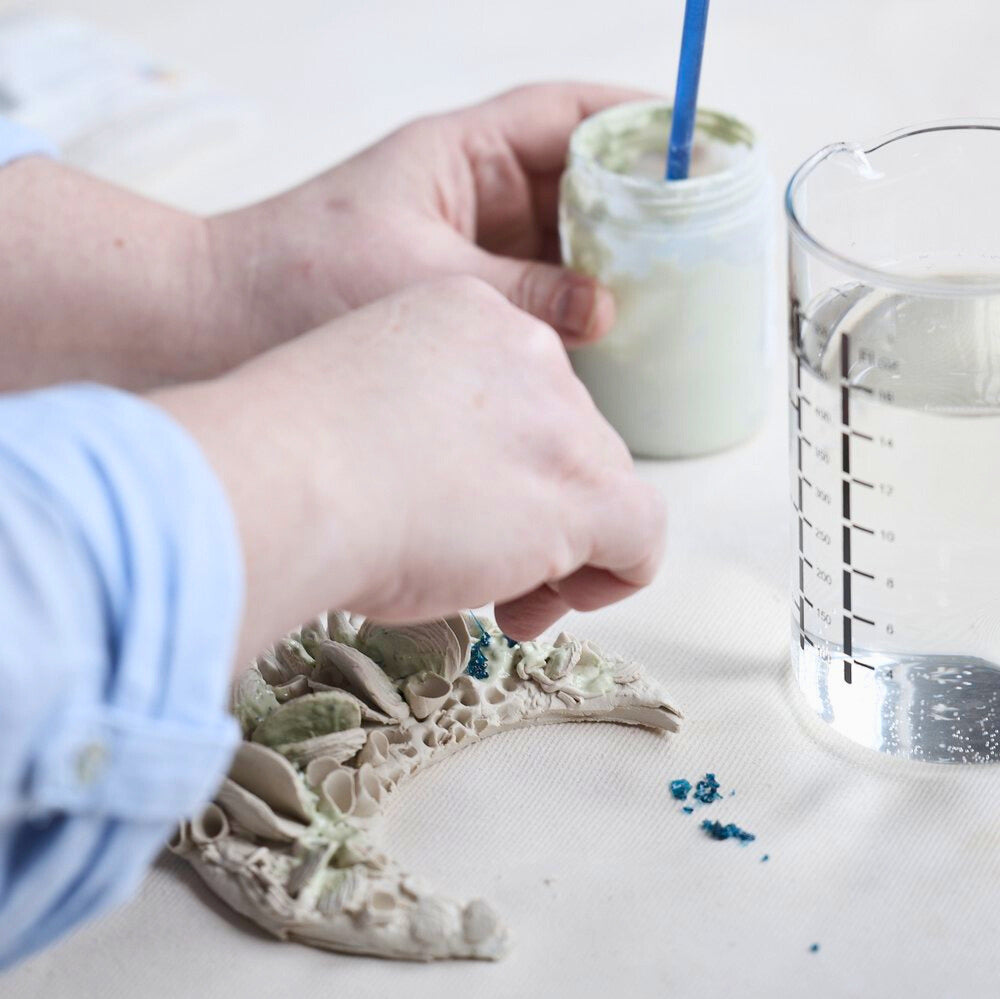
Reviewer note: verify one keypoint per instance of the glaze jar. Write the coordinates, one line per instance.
(684, 369)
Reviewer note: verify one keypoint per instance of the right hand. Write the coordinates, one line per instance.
(428, 452)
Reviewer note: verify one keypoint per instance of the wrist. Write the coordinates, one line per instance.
(260, 441)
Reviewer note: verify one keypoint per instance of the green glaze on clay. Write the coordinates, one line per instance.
(307, 717)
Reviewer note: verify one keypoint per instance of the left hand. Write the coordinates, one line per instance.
(474, 191)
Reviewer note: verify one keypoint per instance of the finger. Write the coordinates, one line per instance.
(627, 530)
(527, 616)
(579, 308)
(536, 120)
(587, 589)
(626, 553)
(545, 192)
(550, 250)
(591, 588)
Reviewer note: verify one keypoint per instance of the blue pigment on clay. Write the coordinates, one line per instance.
(477, 667)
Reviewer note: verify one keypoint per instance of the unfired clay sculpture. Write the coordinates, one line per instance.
(334, 717)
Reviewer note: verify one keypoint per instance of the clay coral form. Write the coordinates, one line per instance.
(334, 717)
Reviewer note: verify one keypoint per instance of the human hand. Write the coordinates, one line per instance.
(429, 452)
(474, 191)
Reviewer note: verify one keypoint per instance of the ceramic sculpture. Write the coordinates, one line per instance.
(334, 717)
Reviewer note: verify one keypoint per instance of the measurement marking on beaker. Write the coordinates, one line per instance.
(798, 503)
(861, 482)
(858, 662)
(798, 409)
(858, 572)
(848, 651)
(863, 620)
(864, 437)
(858, 527)
(845, 465)
(863, 388)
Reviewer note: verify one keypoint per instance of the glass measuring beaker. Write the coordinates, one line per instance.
(894, 267)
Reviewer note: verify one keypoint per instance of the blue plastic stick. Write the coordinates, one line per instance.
(686, 95)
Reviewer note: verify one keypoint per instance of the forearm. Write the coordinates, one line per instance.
(101, 284)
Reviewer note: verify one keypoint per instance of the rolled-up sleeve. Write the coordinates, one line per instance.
(121, 584)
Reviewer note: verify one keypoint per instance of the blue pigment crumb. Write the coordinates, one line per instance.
(477, 667)
(732, 794)
(707, 790)
(765, 858)
(729, 831)
(814, 948)
(510, 641)
(687, 809)
(680, 789)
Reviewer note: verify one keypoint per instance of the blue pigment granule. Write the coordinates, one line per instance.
(680, 789)
(814, 948)
(707, 790)
(478, 667)
(477, 660)
(729, 831)
(687, 809)
(765, 858)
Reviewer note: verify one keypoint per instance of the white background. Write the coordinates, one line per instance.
(893, 868)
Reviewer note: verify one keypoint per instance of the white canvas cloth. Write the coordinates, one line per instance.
(893, 868)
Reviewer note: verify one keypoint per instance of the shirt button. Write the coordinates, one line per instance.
(90, 762)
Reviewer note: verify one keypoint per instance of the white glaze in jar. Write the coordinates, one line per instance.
(683, 370)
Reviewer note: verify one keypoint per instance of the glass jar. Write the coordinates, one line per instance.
(683, 370)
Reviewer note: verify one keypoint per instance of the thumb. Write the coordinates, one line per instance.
(576, 306)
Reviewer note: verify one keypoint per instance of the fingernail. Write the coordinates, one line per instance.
(574, 307)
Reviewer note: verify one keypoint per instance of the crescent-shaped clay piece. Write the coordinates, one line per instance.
(324, 879)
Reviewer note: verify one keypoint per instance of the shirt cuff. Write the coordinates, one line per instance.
(17, 141)
(132, 722)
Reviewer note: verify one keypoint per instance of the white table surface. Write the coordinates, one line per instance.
(893, 868)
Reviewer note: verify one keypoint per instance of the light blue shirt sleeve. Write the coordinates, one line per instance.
(121, 588)
(17, 140)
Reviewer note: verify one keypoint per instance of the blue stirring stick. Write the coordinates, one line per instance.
(686, 95)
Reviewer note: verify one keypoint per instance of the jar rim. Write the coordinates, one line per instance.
(870, 274)
(706, 190)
